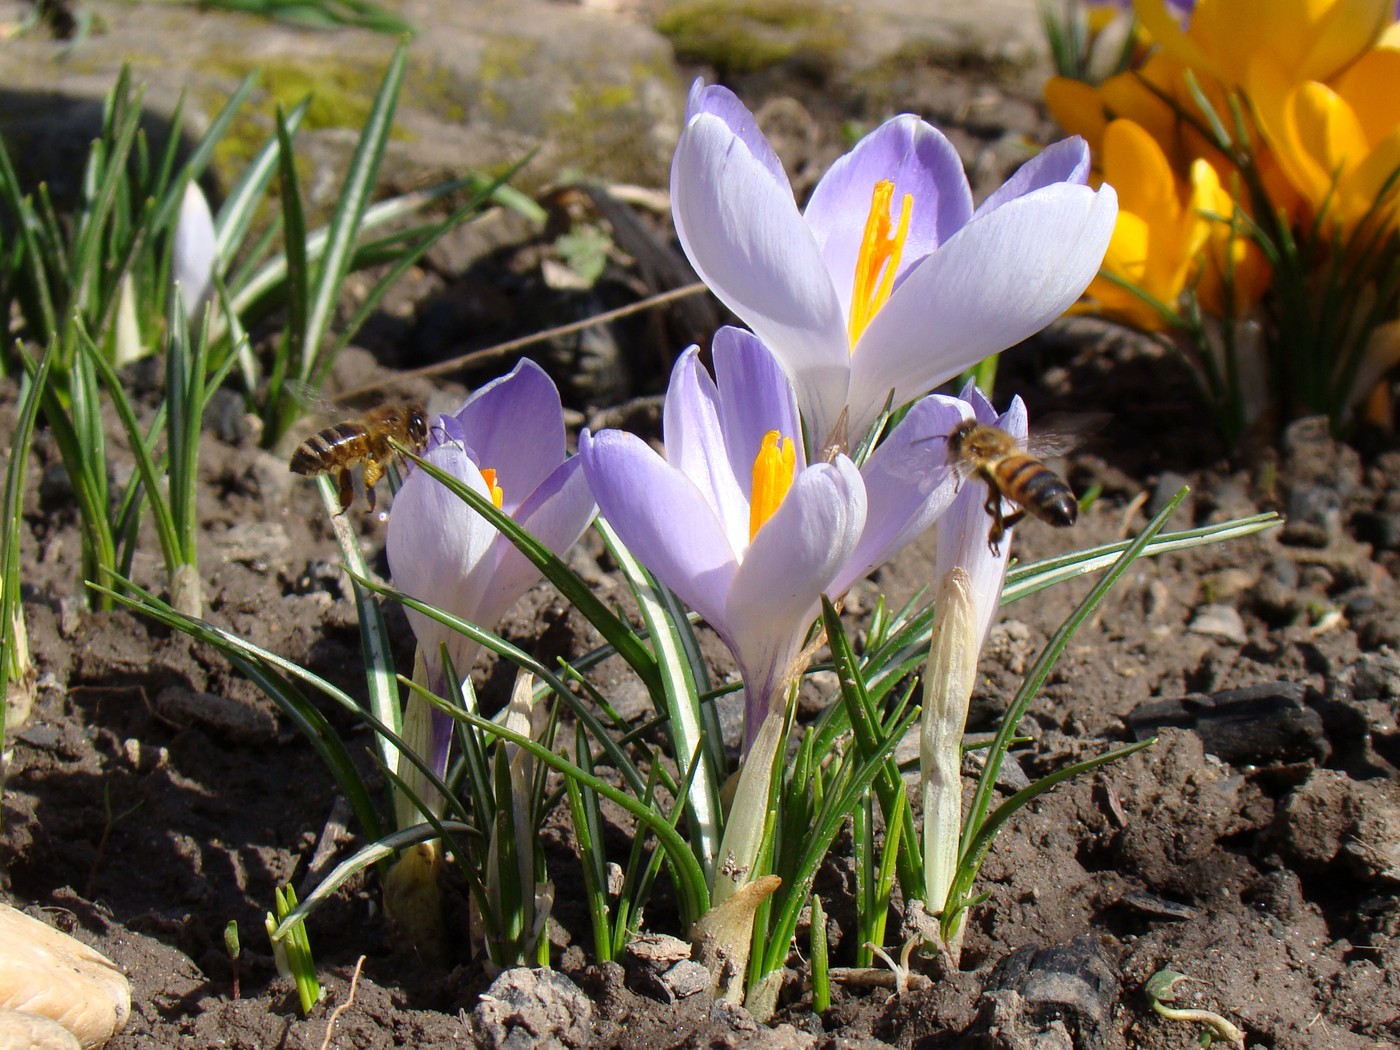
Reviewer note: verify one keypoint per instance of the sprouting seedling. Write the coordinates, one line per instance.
(821, 973)
(1160, 989)
(292, 952)
(111, 821)
(234, 949)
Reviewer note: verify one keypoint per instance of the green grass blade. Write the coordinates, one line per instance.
(848, 784)
(381, 849)
(402, 257)
(975, 850)
(522, 659)
(1025, 580)
(235, 217)
(374, 633)
(292, 352)
(143, 452)
(15, 667)
(691, 889)
(38, 305)
(868, 733)
(345, 222)
(185, 376)
(678, 661)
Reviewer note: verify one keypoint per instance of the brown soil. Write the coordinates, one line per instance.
(1255, 848)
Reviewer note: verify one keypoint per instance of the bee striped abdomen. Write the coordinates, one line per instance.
(1038, 489)
(343, 443)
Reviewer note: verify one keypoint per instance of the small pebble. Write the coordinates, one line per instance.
(687, 978)
(531, 1008)
(1314, 516)
(1222, 622)
(1374, 675)
(1231, 582)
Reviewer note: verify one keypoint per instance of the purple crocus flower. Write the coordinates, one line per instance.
(890, 280)
(507, 443)
(969, 577)
(747, 538)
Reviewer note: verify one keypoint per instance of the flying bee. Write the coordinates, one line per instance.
(1014, 472)
(363, 440)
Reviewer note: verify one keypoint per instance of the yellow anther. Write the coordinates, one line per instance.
(878, 262)
(489, 476)
(772, 477)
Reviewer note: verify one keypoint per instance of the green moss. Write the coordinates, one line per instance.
(746, 36)
(505, 59)
(342, 96)
(607, 131)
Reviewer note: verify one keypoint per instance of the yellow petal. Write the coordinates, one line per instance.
(1126, 256)
(1308, 39)
(1163, 27)
(1372, 88)
(1363, 185)
(1077, 107)
(1348, 28)
(1227, 250)
(1328, 137)
(1137, 168)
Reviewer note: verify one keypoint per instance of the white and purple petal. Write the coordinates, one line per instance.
(696, 445)
(743, 234)
(963, 530)
(718, 101)
(662, 518)
(555, 514)
(755, 397)
(1001, 278)
(437, 547)
(1065, 162)
(909, 485)
(790, 564)
(922, 163)
(515, 426)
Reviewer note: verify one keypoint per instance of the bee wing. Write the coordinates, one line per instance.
(1061, 433)
(311, 401)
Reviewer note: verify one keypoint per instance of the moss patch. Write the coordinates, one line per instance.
(608, 131)
(747, 36)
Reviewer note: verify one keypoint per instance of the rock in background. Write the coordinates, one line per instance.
(596, 88)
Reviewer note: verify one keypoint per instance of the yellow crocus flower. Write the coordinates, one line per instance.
(1235, 41)
(1159, 234)
(1339, 143)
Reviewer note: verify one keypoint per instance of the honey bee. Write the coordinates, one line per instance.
(363, 440)
(1015, 473)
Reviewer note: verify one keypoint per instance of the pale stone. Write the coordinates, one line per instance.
(22, 1030)
(46, 972)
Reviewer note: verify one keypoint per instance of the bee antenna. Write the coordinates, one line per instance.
(444, 435)
(932, 437)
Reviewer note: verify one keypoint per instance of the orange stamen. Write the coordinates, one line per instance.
(489, 476)
(878, 261)
(772, 477)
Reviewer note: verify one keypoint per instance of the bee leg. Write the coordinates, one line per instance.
(347, 489)
(372, 473)
(998, 529)
(1012, 520)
